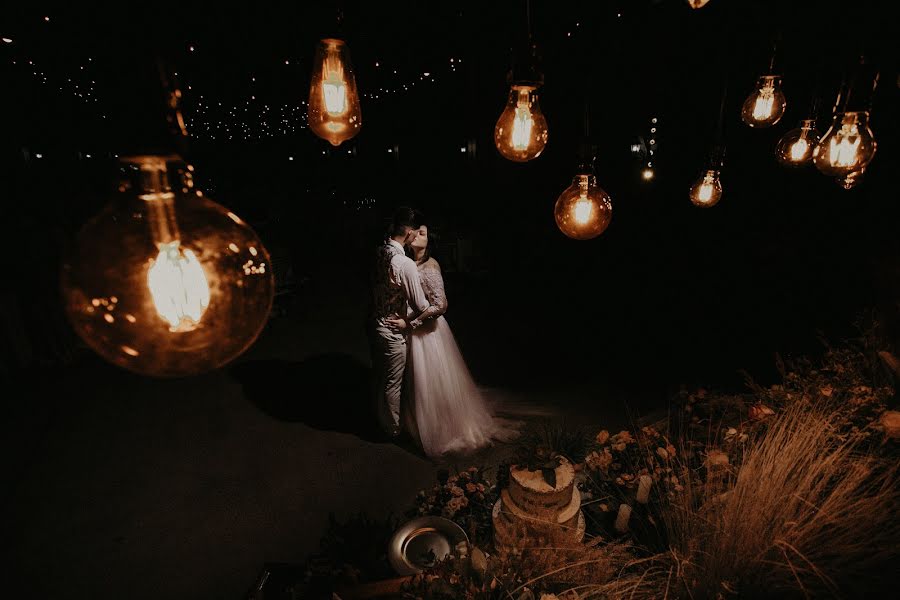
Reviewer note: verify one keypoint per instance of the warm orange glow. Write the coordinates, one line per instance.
(707, 191)
(795, 148)
(523, 123)
(695, 4)
(765, 106)
(334, 112)
(847, 147)
(799, 149)
(583, 211)
(178, 286)
(647, 174)
(521, 131)
(165, 282)
(334, 87)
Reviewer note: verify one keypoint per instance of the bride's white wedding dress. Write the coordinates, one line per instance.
(445, 410)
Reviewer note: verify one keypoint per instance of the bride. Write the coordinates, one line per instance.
(444, 411)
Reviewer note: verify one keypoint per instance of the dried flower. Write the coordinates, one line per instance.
(599, 461)
(758, 412)
(457, 491)
(890, 421)
(471, 488)
(623, 437)
(602, 437)
(716, 458)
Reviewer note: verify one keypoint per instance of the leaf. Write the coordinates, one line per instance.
(479, 560)
(549, 474)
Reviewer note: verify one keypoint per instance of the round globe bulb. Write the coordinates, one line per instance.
(333, 111)
(765, 105)
(707, 191)
(164, 281)
(795, 148)
(847, 147)
(583, 211)
(521, 132)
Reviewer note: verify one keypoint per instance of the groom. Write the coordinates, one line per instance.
(396, 291)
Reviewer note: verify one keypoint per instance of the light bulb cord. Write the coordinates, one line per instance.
(772, 59)
(720, 123)
(875, 79)
(528, 21)
(174, 116)
(851, 88)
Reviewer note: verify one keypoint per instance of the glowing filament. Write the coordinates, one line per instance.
(334, 88)
(844, 152)
(705, 193)
(799, 149)
(178, 286)
(523, 123)
(584, 208)
(765, 103)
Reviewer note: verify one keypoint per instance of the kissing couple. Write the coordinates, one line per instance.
(422, 384)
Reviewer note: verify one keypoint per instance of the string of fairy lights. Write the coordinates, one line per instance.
(250, 119)
(253, 119)
(80, 85)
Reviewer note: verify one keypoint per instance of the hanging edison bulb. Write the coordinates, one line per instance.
(164, 281)
(847, 147)
(583, 211)
(850, 180)
(521, 131)
(765, 105)
(795, 148)
(333, 109)
(707, 191)
(695, 4)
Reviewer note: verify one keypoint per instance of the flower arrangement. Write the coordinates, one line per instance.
(788, 489)
(466, 498)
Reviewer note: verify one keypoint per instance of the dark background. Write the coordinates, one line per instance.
(668, 294)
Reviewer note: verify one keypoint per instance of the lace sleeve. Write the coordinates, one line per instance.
(433, 284)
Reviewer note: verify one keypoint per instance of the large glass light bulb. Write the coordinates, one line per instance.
(521, 131)
(164, 281)
(707, 190)
(333, 110)
(847, 147)
(765, 106)
(583, 211)
(795, 148)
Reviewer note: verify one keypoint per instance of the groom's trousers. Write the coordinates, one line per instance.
(389, 365)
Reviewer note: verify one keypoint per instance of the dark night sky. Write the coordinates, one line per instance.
(692, 294)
